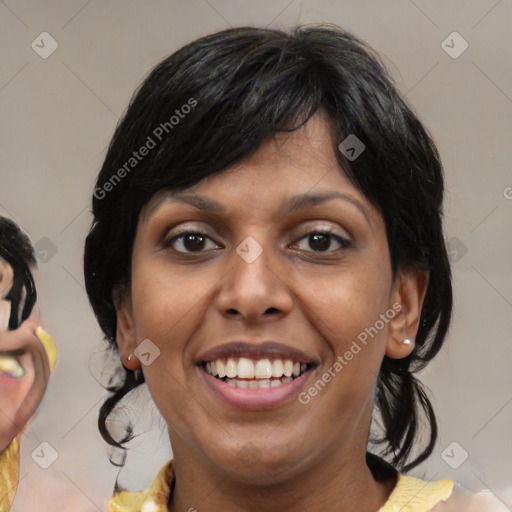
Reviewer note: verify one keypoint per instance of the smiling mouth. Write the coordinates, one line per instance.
(241, 372)
(10, 365)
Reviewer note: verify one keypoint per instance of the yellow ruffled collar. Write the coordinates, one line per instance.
(416, 495)
(153, 500)
(409, 495)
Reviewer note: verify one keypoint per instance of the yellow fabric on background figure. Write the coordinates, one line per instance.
(9, 473)
(10, 457)
(409, 495)
(49, 345)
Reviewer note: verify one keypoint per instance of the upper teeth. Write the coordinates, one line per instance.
(245, 368)
(10, 365)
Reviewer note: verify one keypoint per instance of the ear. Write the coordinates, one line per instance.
(408, 294)
(125, 330)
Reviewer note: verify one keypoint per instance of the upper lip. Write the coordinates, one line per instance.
(253, 350)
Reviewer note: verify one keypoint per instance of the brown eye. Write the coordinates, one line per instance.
(188, 242)
(320, 241)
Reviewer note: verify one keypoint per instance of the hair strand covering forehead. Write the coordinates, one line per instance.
(213, 103)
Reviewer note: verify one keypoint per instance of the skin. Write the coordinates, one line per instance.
(6, 278)
(313, 455)
(19, 396)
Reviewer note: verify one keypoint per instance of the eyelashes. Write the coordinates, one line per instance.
(326, 235)
(196, 236)
(196, 239)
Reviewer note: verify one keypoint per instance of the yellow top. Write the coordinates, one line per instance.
(49, 346)
(409, 495)
(9, 471)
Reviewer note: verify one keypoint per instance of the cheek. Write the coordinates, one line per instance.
(13, 391)
(161, 300)
(159, 303)
(168, 307)
(345, 302)
(345, 308)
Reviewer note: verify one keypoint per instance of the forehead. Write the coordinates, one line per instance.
(287, 164)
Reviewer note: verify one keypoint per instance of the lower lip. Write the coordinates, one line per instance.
(8, 381)
(255, 399)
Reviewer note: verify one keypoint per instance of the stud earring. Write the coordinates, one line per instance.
(130, 357)
(407, 341)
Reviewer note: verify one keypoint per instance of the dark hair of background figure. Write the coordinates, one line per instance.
(17, 251)
(249, 84)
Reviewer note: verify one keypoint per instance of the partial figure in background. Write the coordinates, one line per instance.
(27, 353)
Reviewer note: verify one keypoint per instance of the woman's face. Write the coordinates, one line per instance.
(262, 285)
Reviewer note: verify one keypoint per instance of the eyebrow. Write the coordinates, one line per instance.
(294, 204)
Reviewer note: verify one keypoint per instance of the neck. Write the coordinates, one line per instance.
(342, 482)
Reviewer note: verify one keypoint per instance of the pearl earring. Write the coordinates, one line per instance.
(407, 341)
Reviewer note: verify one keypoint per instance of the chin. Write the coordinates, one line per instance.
(256, 462)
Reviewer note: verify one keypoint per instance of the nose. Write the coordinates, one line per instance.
(255, 289)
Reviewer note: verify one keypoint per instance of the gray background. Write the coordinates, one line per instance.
(57, 117)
